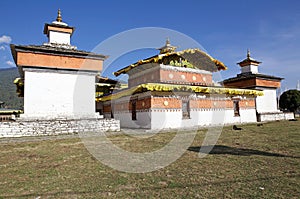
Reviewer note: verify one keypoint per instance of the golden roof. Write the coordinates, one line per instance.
(196, 57)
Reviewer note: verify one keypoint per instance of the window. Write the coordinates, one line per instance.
(236, 108)
(111, 114)
(133, 109)
(185, 109)
(112, 110)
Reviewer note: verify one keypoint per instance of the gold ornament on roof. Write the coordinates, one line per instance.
(168, 41)
(248, 53)
(167, 48)
(59, 18)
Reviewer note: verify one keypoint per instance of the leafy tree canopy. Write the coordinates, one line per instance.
(290, 100)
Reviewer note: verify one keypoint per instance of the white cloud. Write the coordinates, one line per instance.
(10, 63)
(2, 48)
(5, 39)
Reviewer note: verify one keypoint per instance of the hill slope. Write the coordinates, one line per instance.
(8, 89)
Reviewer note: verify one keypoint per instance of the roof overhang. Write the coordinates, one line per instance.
(253, 80)
(184, 88)
(58, 58)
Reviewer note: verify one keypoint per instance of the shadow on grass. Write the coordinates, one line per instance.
(226, 150)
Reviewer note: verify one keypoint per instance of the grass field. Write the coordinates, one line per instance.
(256, 162)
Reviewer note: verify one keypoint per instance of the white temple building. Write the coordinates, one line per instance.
(58, 79)
(250, 78)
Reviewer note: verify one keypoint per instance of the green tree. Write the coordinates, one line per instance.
(290, 100)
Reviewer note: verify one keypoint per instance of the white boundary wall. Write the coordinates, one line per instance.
(161, 119)
(265, 117)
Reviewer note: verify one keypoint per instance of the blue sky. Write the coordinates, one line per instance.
(225, 29)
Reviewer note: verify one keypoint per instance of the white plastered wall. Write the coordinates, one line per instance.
(249, 68)
(59, 37)
(163, 120)
(143, 120)
(248, 115)
(268, 102)
(52, 94)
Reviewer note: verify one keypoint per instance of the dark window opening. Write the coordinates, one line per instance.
(111, 114)
(236, 108)
(185, 109)
(111, 110)
(133, 110)
(100, 111)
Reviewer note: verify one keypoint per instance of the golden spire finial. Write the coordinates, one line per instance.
(168, 41)
(167, 48)
(248, 53)
(58, 18)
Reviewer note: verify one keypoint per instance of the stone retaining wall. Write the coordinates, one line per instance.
(23, 127)
(265, 117)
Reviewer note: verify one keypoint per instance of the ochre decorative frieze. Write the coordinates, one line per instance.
(267, 83)
(174, 103)
(56, 61)
(253, 82)
(153, 76)
(160, 75)
(185, 77)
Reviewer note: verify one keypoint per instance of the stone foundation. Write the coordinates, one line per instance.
(23, 127)
(264, 117)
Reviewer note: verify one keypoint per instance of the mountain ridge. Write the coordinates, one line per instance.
(8, 93)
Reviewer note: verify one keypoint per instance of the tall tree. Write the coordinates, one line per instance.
(290, 100)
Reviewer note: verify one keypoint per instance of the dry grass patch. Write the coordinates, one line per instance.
(256, 162)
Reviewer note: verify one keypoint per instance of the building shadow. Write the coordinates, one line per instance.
(226, 150)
